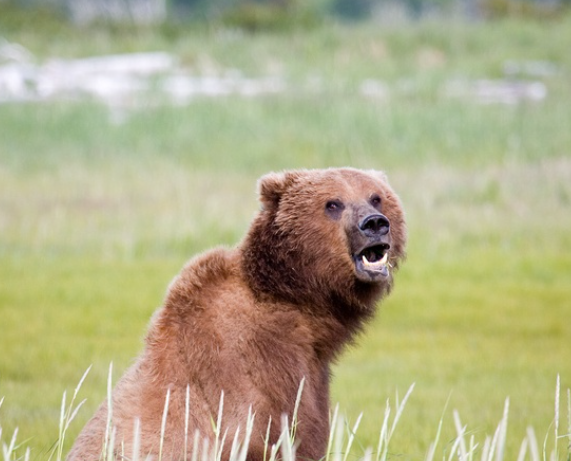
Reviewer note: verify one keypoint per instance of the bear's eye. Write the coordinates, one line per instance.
(375, 200)
(334, 207)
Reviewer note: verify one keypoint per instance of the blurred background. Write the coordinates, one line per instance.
(132, 133)
(278, 13)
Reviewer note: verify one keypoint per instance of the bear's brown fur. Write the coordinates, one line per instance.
(253, 321)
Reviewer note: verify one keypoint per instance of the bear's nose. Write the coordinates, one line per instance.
(375, 224)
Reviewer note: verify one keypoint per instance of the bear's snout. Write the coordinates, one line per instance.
(371, 245)
(374, 225)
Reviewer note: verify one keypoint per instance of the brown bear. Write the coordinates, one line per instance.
(254, 321)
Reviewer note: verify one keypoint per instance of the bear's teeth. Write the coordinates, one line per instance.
(375, 265)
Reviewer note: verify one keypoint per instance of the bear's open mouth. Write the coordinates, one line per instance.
(373, 262)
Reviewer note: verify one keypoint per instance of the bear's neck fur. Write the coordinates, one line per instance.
(276, 272)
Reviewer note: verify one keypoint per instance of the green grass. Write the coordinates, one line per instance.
(97, 217)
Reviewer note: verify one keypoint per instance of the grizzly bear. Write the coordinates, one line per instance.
(252, 322)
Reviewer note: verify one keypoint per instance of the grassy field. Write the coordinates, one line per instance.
(96, 217)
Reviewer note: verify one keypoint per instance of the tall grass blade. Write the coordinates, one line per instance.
(110, 446)
(533, 447)
(522, 450)
(108, 429)
(295, 409)
(400, 409)
(434, 443)
(80, 383)
(383, 446)
(164, 424)
(275, 449)
(502, 432)
(473, 446)
(218, 426)
(235, 445)
(242, 456)
(186, 419)
(455, 447)
(195, 445)
(206, 449)
(545, 440)
(486, 448)
(494, 444)
(136, 440)
(287, 447)
(555, 453)
(267, 438)
(67, 415)
(461, 431)
(332, 427)
(569, 424)
(352, 437)
(218, 455)
(338, 439)
(239, 450)
(386, 433)
(73, 415)
(9, 449)
(59, 448)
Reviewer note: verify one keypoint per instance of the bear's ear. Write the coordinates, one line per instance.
(272, 186)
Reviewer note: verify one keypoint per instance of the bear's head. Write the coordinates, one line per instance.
(325, 238)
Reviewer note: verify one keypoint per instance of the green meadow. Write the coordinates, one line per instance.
(100, 207)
